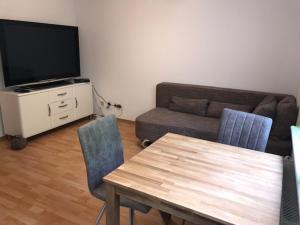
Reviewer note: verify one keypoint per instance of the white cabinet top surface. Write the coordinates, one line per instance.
(10, 91)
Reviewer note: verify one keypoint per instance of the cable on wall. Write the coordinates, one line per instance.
(109, 105)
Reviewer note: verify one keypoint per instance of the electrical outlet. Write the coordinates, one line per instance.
(118, 106)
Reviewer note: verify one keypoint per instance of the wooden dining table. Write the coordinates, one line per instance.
(200, 181)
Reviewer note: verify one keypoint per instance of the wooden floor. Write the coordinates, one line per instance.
(46, 182)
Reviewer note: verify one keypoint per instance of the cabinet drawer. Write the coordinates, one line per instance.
(61, 106)
(62, 118)
(61, 94)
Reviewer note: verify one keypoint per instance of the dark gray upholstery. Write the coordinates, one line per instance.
(215, 109)
(156, 122)
(159, 121)
(267, 107)
(244, 130)
(287, 114)
(279, 147)
(103, 152)
(189, 105)
(164, 92)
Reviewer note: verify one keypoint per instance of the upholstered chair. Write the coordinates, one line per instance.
(103, 152)
(244, 130)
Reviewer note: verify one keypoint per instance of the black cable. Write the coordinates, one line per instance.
(107, 102)
(100, 96)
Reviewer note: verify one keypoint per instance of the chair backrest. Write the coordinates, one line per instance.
(244, 130)
(102, 148)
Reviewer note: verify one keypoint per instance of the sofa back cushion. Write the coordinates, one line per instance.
(285, 113)
(286, 116)
(267, 107)
(215, 109)
(165, 91)
(189, 105)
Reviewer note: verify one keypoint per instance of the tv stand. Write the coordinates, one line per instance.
(27, 114)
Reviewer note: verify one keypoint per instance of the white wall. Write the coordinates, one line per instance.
(46, 11)
(129, 46)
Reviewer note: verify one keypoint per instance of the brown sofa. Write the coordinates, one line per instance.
(160, 120)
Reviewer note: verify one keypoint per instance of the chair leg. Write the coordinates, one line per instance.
(131, 216)
(145, 143)
(166, 217)
(100, 214)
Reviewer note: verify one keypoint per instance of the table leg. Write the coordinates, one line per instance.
(113, 206)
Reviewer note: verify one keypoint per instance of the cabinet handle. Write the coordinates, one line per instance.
(64, 117)
(76, 101)
(63, 106)
(62, 94)
(49, 110)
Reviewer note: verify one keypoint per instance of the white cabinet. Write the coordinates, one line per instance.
(28, 114)
(34, 114)
(62, 118)
(83, 101)
(61, 106)
(61, 94)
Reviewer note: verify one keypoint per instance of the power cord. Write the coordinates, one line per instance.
(104, 101)
(100, 96)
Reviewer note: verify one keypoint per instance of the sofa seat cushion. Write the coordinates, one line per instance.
(159, 121)
(279, 147)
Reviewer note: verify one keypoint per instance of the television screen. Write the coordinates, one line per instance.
(33, 52)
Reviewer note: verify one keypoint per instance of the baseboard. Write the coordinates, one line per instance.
(126, 121)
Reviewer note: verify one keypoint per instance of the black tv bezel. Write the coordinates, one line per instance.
(6, 72)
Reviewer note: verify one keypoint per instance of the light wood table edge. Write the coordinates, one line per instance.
(113, 202)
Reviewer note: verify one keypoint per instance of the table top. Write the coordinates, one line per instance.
(226, 184)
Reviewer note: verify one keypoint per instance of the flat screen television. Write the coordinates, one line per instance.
(34, 52)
